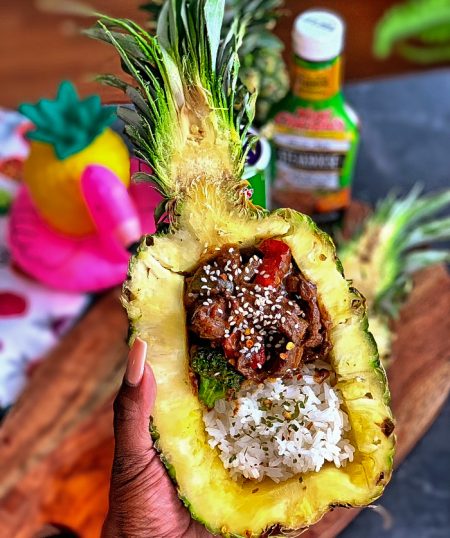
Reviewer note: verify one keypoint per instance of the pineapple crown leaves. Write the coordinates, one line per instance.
(404, 229)
(68, 123)
(184, 72)
(258, 44)
(261, 13)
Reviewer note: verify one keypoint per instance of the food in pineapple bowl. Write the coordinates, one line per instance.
(272, 406)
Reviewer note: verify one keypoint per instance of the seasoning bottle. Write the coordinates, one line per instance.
(315, 133)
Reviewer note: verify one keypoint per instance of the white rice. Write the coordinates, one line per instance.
(280, 428)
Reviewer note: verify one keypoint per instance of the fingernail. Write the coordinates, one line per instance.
(136, 363)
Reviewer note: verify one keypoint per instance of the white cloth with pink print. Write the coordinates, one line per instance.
(34, 315)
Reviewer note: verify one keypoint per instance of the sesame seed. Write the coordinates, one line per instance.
(203, 279)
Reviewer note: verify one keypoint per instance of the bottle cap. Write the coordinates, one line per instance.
(318, 35)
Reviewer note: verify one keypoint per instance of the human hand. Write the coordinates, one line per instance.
(143, 502)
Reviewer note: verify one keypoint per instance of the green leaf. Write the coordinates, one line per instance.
(425, 55)
(416, 261)
(408, 20)
(430, 232)
(214, 10)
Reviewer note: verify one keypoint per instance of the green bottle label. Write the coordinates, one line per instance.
(316, 137)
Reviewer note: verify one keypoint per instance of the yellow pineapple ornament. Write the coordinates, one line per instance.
(69, 135)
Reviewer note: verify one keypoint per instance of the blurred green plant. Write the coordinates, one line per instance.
(418, 30)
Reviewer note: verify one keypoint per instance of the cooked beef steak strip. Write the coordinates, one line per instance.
(210, 321)
(258, 307)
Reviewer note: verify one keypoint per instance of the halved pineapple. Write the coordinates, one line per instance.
(396, 241)
(190, 125)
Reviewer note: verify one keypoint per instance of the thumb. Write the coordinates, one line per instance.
(134, 405)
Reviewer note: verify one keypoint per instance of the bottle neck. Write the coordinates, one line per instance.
(317, 82)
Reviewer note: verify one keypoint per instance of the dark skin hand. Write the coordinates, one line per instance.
(143, 502)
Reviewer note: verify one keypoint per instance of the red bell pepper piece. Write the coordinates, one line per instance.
(275, 264)
(258, 359)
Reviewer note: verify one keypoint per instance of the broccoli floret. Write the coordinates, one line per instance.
(216, 375)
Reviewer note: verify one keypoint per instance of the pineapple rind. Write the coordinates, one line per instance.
(153, 297)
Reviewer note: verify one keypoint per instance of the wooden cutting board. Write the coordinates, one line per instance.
(56, 443)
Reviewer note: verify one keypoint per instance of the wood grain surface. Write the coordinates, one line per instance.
(56, 444)
(41, 44)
